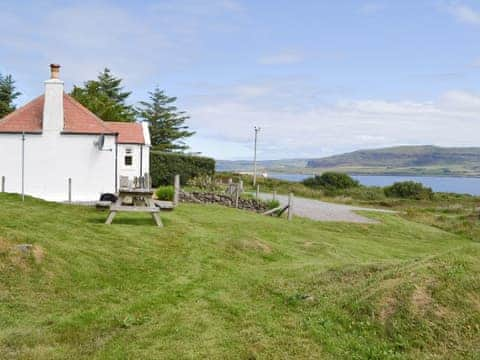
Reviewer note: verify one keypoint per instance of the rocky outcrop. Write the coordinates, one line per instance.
(222, 199)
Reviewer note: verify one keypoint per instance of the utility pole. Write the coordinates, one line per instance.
(257, 129)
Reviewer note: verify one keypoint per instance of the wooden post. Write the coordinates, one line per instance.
(148, 181)
(290, 206)
(258, 191)
(240, 183)
(110, 217)
(230, 181)
(176, 195)
(3, 184)
(237, 195)
(274, 195)
(69, 190)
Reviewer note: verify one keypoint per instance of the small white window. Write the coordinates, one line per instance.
(128, 151)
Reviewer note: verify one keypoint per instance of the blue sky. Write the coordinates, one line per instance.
(319, 77)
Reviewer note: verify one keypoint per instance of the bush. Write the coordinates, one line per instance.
(206, 183)
(165, 193)
(272, 204)
(164, 166)
(332, 181)
(409, 190)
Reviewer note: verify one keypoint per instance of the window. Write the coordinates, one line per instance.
(128, 160)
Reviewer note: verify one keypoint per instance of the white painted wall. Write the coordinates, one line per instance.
(146, 132)
(140, 157)
(53, 106)
(51, 158)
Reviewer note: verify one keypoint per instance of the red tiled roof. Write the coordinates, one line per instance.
(77, 119)
(28, 118)
(80, 120)
(128, 133)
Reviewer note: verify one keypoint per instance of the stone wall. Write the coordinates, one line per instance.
(221, 199)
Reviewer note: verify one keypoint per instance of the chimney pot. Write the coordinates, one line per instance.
(54, 71)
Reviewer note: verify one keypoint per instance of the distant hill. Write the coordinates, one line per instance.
(247, 165)
(401, 156)
(400, 160)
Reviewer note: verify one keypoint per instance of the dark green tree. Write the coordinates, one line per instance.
(8, 93)
(111, 86)
(167, 124)
(105, 98)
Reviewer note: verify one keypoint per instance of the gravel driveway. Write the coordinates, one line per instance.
(324, 211)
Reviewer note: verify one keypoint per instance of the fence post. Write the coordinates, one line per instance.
(274, 196)
(3, 184)
(258, 191)
(148, 181)
(69, 190)
(237, 195)
(290, 206)
(176, 195)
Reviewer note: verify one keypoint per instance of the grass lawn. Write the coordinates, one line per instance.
(222, 283)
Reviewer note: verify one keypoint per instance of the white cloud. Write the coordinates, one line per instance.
(450, 120)
(476, 63)
(251, 91)
(464, 13)
(86, 36)
(282, 58)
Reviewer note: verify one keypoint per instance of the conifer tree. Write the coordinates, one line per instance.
(105, 98)
(167, 124)
(8, 93)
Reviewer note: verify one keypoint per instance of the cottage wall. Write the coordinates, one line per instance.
(52, 158)
(140, 160)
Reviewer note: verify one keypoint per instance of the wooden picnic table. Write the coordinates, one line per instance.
(141, 201)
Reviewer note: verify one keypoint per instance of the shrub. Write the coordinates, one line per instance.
(206, 183)
(366, 193)
(164, 166)
(165, 193)
(331, 180)
(272, 204)
(409, 190)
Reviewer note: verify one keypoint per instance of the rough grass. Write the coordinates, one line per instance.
(221, 283)
(456, 213)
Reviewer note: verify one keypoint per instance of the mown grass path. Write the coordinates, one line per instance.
(222, 283)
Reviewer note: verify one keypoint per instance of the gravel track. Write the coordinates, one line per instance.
(325, 211)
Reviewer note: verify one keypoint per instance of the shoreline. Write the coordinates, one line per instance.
(268, 171)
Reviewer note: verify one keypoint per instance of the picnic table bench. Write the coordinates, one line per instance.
(141, 201)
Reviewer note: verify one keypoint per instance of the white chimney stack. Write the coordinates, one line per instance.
(53, 105)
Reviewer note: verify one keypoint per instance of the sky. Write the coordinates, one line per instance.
(319, 77)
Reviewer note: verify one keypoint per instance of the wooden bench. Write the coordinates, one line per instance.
(139, 196)
(164, 205)
(103, 205)
(154, 211)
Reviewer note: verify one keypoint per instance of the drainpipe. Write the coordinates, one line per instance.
(116, 163)
(23, 166)
(141, 159)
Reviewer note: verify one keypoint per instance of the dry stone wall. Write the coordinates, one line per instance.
(222, 199)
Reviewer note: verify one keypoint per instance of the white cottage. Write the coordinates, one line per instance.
(61, 141)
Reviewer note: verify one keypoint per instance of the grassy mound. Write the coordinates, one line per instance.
(222, 283)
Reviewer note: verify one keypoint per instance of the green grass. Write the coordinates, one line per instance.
(456, 213)
(222, 283)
